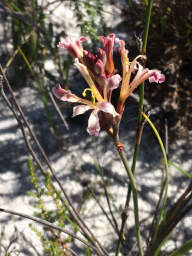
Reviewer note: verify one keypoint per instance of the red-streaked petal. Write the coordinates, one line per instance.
(64, 95)
(113, 82)
(156, 76)
(99, 67)
(108, 45)
(82, 39)
(73, 46)
(80, 109)
(93, 124)
(107, 108)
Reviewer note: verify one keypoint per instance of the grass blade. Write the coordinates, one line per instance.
(183, 249)
(164, 199)
(180, 169)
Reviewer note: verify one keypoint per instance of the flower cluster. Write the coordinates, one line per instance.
(99, 73)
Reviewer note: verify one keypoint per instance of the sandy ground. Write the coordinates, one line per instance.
(74, 166)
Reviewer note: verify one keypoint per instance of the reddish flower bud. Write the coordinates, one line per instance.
(108, 45)
(73, 46)
(99, 67)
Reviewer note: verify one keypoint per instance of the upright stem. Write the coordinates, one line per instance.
(141, 99)
(139, 129)
(135, 202)
(143, 51)
(142, 86)
(147, 23)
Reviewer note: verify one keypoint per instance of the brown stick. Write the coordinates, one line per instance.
(68, 202)
(48, 224)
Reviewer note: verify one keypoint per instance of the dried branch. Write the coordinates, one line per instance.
(50, 225)
(87, 232)
(58, 110)
(105, 213)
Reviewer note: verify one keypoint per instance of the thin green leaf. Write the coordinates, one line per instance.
(183, 249)
(164, 200)
(25, 59)
(71, 222)
(30, 164)
(88, 251)
(163, 242)
(180, 169)
(31, 194)
(97, 167)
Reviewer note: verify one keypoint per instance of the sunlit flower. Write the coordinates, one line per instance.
(93, 122)
(108, 45)
(99, 72)
(73, 46)
(134, 73)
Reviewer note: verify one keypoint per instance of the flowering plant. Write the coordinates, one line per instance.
(100, 74)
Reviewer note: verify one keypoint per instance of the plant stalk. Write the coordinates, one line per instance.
(135, 202)
(140, 125)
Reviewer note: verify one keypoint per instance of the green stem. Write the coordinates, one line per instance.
(142, 87)
(164, 199)
(147, 23)
(143, 51)
(141, 99)
(135, 202)
(140, 124)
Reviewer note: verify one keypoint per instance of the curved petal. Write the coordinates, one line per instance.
(93, 124)
(85, 73)
(64, 95)
(73, 46)
(114, 81)
(107, 108)
(156, 76)
(108, 45)
(80, 109)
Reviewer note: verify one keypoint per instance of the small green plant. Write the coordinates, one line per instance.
(52, 241)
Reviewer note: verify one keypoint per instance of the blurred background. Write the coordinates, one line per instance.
(29, 33)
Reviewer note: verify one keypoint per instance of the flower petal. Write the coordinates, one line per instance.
(73, 46)
(64, 95)
(93, 124)
(107, 108)
(108, 45)
(156, 76)
(80, 109)
(113, 82)
(85, 73)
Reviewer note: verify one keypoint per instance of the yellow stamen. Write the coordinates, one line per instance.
(84, 71)
(84, 93)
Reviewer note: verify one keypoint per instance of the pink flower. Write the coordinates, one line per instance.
(141, 74)
(73, 46)
(93, 122)
(108, 45)
(98, 71)
(64, 95)
(100, 67)
(156, 76)
(113, 82)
